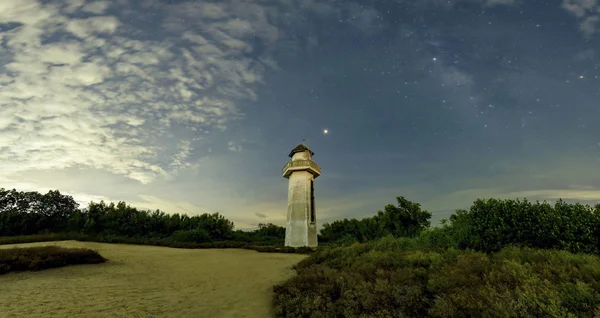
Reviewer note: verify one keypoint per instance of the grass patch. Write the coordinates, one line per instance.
(392, 278)
(149, 281)
(38, 258)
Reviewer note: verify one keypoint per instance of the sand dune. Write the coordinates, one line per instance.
(149, 281)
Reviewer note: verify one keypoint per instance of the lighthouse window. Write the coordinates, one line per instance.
(312, 201)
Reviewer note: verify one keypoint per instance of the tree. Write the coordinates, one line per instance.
(406, 219)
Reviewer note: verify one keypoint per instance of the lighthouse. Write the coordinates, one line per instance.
(301, 226)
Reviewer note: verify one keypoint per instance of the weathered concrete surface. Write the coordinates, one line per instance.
(301, 226)
(300, 231)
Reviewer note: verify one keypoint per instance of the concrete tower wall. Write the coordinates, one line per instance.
(304, 155)
(301, 228)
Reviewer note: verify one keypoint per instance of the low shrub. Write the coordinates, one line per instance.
(179, 241)
(394, 277)
(196, 236)
(38, 258)
(47, 237)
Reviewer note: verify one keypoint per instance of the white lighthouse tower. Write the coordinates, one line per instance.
(301, 227)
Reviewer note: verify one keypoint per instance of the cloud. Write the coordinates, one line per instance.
(584, 194)
(427, 4)
(580, 8)
(150, 202)
(588, 25)
(587, 12)
(180, 159)
(89, 84)
(96, 7)
(82, 86)
(368, 20)
(233, 146)
(260, 215)
(585, 55)
(492, 3)
(453, 77)
(81, 198)
(100, 91)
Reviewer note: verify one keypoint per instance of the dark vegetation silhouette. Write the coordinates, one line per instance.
(35, 217)
(38, 258)
(500, 258)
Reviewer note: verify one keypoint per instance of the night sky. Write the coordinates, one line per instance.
(193, 106)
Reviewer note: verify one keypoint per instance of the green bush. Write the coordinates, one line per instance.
(36, 238)
(406, 219)
(196, 236)
(393, 277)
(38, 258)
(491, 224)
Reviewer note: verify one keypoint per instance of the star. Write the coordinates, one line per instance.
(325, 131)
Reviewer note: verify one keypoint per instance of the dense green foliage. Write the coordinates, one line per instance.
(31, 213)
(24, 213)
(500, 258)
(488, 226)
(37, 258)
(401, 277)
(406, 220)
(491, 224)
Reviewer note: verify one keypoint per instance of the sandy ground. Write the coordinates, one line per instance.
(149, 281)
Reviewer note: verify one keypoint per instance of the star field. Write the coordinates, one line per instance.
(192, 106)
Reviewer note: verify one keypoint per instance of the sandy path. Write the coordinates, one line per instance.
(149, 281)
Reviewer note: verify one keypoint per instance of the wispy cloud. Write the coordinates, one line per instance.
(492, 3)
(260, 215)
(150, 202)
(424, 4)
(180, 159)
(583, 195)
(89, 84)
(588, 13)
(234, 146)
(84, 86)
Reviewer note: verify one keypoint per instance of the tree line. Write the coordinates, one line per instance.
(487, 226)
(29, 213)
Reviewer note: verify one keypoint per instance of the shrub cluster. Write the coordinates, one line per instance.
(391, 278)
(406, 219)
(500, 258)
(491, 224)
(488, 226)
(37, 258)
